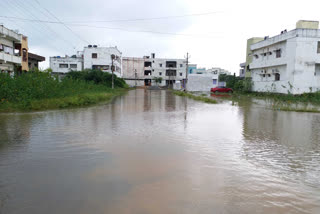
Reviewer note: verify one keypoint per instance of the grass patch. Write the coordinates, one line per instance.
(194, 97)
(285, 98)
(41, 91)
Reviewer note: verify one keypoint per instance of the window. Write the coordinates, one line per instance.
(160, 73)
(181, 65)
(269, 75)
(63, 65)
(147, 73)
(24, 55)
(278, 53)
(214, 81)
(318, 49)
(263, 75)
(180, 74)
(171, 73)
(74, 66)
(160, 65)
(277, 77)
(94, 55)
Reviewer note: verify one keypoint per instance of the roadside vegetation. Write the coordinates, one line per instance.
(194, 97)
(40, 90)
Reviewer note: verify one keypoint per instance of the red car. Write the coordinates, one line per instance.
(221, 89)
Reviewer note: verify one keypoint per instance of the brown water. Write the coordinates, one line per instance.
(153, 152)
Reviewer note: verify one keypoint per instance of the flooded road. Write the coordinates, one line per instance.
(153, 152)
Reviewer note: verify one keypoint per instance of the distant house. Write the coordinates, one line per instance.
(92, 57)
(141, 71)
(33, 60)
(288, 62)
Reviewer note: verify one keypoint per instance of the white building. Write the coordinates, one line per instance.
(142, 71)
(92, 57)
(205, 80)
(63, 65)
(9, 58)
(289, 62)
(95, 57)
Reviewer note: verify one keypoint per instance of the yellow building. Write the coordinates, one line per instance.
(249, 54)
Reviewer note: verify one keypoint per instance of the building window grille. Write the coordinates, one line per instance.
(278, 53)
(74, 66)
(94, 55)
(63, 65)
(214, 81)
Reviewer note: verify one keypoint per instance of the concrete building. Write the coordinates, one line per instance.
(33, 60)
(204, 81)
(95, 57)
(142, 71)
(192, 68)
(249, 55)
(63, 65)
(92, 57)
(13, 51)
(289, 62)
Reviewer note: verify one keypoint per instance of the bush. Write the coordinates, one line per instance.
(98, 77)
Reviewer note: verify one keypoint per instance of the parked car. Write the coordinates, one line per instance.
(221, 89)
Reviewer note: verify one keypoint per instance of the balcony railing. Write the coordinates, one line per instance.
(10, 58)
(9, 33)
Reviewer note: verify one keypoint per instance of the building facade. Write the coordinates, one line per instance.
(205, 80)
(143, 71)
(63, 65)
(289, 62)
(92, 57)
(249, 58)
(33, 60)
(13, 51)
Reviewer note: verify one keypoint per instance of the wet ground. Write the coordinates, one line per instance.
(153, 152)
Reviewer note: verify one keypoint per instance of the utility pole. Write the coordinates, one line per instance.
(187, 71)
(135, 76)
(112, 68)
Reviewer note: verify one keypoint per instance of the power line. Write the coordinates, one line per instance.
(147, 19)
(112, 28)
(116, 20)
(62, 23)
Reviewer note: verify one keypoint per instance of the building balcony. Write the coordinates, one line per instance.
(9, 34)
(10, 58)
(268, 63)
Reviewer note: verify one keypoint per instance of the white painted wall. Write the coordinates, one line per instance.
(56, 61)
(297, 65)
(201, 82)
(103, 58)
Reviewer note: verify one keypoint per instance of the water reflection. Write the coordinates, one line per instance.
(153, 152)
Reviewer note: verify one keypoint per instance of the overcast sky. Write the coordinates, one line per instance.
(214, 40)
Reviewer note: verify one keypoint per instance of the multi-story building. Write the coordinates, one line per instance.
(249, 57)
(92, 57)
(142, 71)
(13, 51)
(289, 62)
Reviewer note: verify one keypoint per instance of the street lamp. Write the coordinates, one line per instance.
(112, 69)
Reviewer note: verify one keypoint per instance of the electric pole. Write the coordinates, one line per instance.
(112, 69)
(187, 71)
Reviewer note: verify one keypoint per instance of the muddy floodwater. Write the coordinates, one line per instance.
(153, 152)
